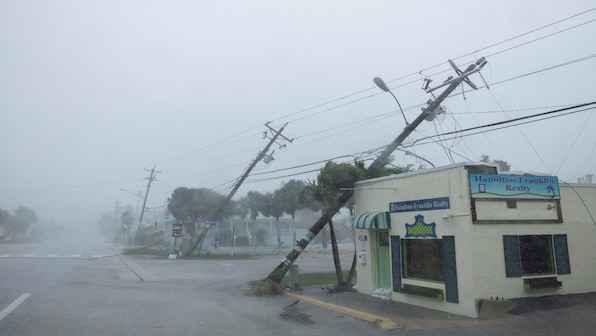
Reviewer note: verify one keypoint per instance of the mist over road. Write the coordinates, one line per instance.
(52, 291)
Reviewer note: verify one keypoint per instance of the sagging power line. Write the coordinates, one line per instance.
(227, 141)
(428, 113)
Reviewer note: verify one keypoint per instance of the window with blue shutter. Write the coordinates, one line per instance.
(561, 254)
(451, 291)
(396, 263)
(512, 260)
(536, 255)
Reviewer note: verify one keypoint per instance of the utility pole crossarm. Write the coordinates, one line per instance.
(278, 133)
(428, 113)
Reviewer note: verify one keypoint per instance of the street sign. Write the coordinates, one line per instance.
(177, 230)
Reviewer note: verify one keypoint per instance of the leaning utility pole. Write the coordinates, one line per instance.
(428, 113)
(260, 156)
(151, 178)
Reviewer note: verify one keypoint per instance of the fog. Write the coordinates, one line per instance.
(93, 94)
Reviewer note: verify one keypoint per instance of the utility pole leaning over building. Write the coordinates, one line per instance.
(428, 113)
(151, 178)
(262, 155)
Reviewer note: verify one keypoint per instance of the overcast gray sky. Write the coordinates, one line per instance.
(94, 92)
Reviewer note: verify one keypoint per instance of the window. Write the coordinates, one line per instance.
(423, 259)
(383, 238)
(536, 254)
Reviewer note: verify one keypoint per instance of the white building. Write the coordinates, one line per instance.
(451, 238)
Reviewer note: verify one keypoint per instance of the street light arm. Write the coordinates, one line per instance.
(130, 192)
(381, 84)
(398, 104)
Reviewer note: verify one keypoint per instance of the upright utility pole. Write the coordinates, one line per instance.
(275, 134)
(151, 178)
(428, 113)
(117, 223)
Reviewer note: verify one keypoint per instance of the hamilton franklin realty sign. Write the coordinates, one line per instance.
(420, 205)
(514, 186)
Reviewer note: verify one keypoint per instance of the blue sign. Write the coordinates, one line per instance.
(420, 205)
(209, 222)
(514, 186)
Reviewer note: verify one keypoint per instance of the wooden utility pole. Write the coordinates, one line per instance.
(428, 113)
(151, 178)
(260, 156)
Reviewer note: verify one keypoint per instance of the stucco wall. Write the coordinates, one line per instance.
(479, 247)
(448, 182)
(488, 249)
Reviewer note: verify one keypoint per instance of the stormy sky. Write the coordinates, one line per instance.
(93, 93)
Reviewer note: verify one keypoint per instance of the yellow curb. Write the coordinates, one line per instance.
(384, 322)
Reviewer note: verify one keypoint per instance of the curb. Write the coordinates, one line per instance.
(384, 322)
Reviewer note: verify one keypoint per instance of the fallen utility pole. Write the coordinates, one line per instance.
(260, 156)
(428, 113)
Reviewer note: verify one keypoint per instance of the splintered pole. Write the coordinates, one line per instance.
(427, 113)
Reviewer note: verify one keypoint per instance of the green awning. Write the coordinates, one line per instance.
(373, 220)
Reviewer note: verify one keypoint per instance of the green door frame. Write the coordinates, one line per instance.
(383, 259)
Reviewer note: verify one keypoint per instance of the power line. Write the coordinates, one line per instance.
(522, 133)
(302, 165)
(574, 142)
(222, 143)
(547, 115)
(588, 159)
(359, 123)
(577, 60)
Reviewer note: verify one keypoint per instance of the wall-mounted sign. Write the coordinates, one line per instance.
(420, 228)
(514, 186)
(420, 205)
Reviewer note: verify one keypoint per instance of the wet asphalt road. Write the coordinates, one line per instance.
(91, 290)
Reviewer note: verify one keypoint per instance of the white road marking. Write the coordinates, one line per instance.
(5, 255)
(52, 255)
(96, 255)
(13, 305)
(30, 255)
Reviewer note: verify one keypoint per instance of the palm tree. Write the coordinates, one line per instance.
(325, 190)
(327, 187)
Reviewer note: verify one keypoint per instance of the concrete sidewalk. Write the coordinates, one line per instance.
(540, 315)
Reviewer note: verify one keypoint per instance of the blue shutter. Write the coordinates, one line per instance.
(512, 260)
(561, 254)
(449, 262)
(396, 263)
